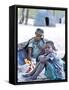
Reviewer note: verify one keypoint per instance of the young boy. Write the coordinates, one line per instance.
(53, 65)
(36, 44)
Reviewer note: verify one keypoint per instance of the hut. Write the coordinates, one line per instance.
(44, 18)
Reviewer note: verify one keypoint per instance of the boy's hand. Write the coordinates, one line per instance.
(27, 61)
(42, 59)
(29, 58)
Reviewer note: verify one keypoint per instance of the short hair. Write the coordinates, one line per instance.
(52, 44)
(40, 31)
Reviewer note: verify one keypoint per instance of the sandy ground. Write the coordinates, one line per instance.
(23, 68)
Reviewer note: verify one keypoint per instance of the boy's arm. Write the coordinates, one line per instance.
(29, 53)
(50, 56)
(30, 46)
(45, 58)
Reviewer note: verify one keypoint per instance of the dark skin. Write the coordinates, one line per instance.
(48, 49)
(29, 53)
(36, 38)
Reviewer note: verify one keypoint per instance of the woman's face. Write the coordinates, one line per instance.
(48, 48)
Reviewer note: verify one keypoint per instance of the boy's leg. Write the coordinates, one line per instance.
(38, 71)
(34, 70)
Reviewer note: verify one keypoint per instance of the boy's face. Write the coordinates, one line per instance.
(48, 48)
(38, 36)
